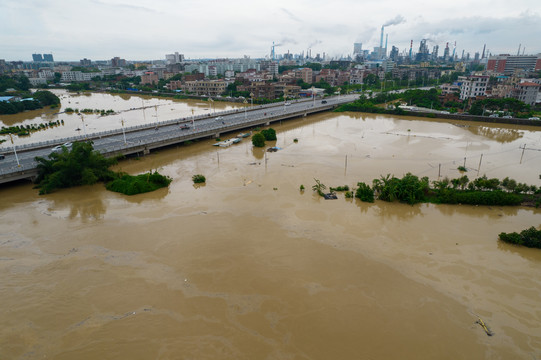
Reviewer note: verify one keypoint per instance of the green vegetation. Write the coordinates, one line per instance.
(319, 187)
(25, 130)
(132, 185)
(258, 140)
(339, 188)
(530, 238)
(364, 192)
(507, 105)
(269, 134)
(33, 101)
(410, 189)
(301, 188)
(80, 166)
(462, 168)
(198, 179)
(364, 104)
(481, 191)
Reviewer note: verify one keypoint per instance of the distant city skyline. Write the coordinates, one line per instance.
(145, 30)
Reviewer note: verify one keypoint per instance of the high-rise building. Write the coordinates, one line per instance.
(48, 57)
(37, 58)
(117, 62)
(174, 58)
(357, 48)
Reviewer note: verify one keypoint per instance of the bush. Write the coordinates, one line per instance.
(197, 179)
(340, 188)
(364, 192)
(132, 185)
(258, 140)
(530, 238)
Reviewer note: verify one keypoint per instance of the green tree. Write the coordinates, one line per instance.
(319, 187)
(80, 166)
(269, 134)
(258, 140)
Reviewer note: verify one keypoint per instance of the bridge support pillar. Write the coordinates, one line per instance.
(217, 135)
(146, 151)
(267, 123)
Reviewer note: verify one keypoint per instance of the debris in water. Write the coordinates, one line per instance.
(482, 323)
(330, 196)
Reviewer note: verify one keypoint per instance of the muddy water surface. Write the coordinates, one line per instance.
(249, 267)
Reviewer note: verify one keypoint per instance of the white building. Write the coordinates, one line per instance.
(473, 86)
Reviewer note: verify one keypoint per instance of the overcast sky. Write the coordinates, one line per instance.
(144, 30)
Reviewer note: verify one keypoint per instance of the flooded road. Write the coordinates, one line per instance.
(249, 267)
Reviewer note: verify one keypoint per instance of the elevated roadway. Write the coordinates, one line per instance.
(144, 138)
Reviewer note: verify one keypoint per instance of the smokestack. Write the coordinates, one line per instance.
(484, 47)
(381, 42)
(411, 49)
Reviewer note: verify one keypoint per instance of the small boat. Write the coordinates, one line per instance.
(226, 143)
(244, 135)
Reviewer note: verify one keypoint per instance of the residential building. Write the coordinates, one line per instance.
(37, 58)
(174, 58)
(473, 86)
(306, 75)
(205, 87)
(449, 89)
(526, 92)
(118, 62)
(149, 78)
(48, 57)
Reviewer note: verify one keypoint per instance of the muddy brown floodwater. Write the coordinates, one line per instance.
(249, 267)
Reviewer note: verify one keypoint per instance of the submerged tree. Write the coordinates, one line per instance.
(82, 165)
(319, 187)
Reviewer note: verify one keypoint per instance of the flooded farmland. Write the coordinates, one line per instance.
(247, 266)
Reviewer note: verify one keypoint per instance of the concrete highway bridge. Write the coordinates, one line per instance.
(144, 138)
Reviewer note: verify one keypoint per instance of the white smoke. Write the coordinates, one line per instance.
(398, 19)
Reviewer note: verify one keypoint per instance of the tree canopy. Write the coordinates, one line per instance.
(81, 166)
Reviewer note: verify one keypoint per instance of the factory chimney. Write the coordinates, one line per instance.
(381, 42)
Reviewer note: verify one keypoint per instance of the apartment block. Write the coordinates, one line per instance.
(473, 86)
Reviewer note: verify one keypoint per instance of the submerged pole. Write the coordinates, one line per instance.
(479, 168)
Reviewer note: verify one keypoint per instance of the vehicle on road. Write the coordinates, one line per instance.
(58, 148)
(324, 102)
(287, 103)
(184, 127)
(219, 118)
(533, 118)
(507, 117)
(2, 156)
(494, 115)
